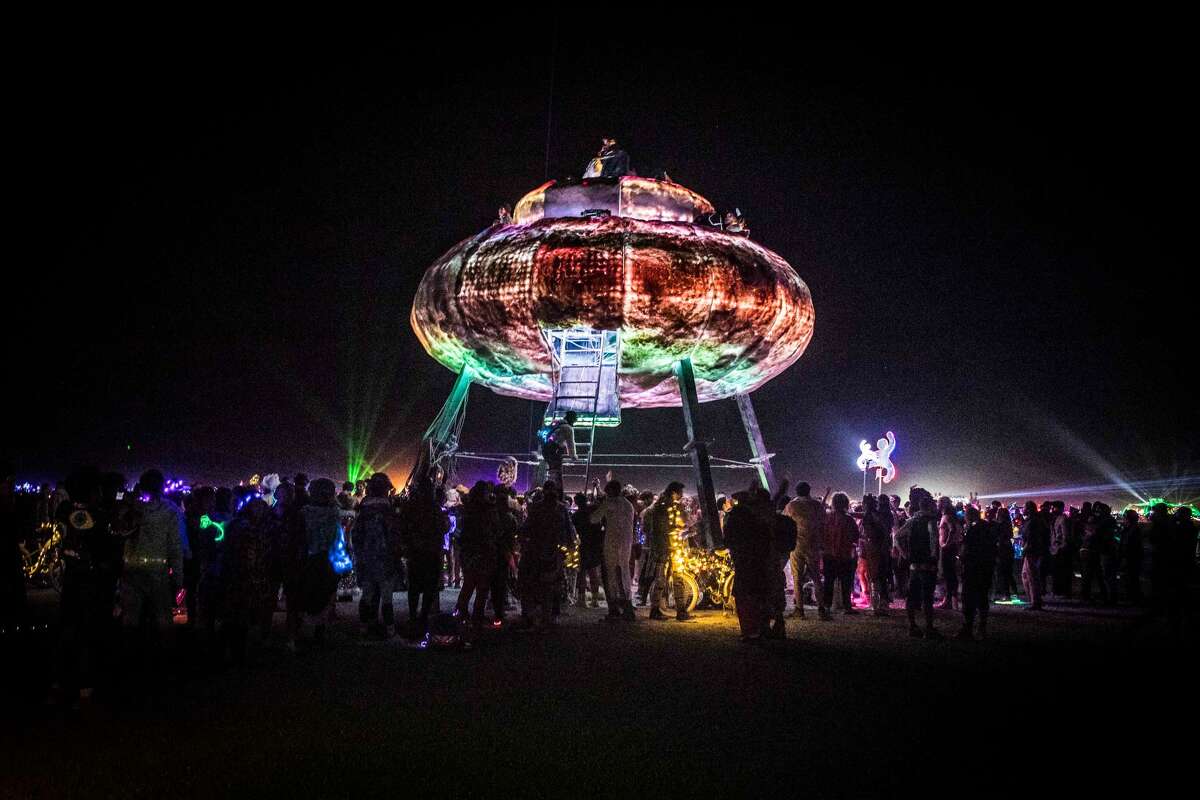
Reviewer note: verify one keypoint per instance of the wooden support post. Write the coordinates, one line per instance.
(758, 450)
(710, 519)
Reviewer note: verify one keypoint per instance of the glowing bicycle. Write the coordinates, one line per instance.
(43, 565)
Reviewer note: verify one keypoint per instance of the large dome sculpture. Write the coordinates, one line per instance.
(630, 255)
(608, 293)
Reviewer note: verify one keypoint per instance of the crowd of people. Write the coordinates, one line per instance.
(143, 565)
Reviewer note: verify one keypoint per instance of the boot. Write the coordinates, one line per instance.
(656, 614)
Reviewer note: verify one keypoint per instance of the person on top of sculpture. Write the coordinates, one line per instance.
(610, 162)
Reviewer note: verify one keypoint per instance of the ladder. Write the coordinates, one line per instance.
(580, 357)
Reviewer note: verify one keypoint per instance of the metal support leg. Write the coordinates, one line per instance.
(709, 518)
(440, 439)
(757, 449)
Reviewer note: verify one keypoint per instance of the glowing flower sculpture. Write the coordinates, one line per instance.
(631, 255)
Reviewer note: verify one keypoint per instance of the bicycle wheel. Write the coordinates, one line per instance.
(727, 591)
(691, 591)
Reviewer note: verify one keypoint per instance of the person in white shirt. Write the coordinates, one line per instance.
(617, 514)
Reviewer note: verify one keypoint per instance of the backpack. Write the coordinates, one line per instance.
(371, 536)
(784, 532)
(552, 451)
(922, 541)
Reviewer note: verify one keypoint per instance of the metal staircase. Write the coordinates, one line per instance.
(584, 374)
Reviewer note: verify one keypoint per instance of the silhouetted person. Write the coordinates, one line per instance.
(1006, 585)
(545, 531)
(1132, 555)
(610, 162)
(425, 526)
(246, 554)
(839, 535)
(478, 526)
(1097, 555)
(950, 533)
(978, 563)
(506, 550)
(152, 574)
(1161, 530)
(301, 489)
(809, 516)
(1061, 550)
(591, 555)
(90, 566)
(918, 542)
(1035, 536)
(748, 534)
(318, 530)
(876, 542)
(376, 539)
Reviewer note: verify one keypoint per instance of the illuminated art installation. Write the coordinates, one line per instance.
(880, 458)
(1144, 508)
(637, 264)
(605, 294)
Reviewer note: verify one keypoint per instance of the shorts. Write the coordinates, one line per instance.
(921, 583)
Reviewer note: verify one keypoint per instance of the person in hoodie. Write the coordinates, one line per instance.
(479, 527)
(316, 531)
(376, 539)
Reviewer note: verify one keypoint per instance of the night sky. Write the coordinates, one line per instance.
(227, 241)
